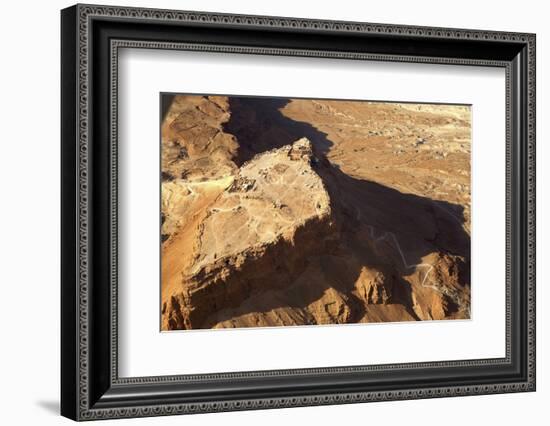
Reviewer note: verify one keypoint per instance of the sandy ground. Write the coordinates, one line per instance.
(392, 246)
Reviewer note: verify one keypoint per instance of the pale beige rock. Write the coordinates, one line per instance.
(266, 202)
(300, 212)
(252, 226)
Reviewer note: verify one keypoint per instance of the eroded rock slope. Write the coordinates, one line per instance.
(264, 224)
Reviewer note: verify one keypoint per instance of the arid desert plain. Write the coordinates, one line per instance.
(282, 212)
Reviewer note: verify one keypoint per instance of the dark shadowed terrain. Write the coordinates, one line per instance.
(279, 212)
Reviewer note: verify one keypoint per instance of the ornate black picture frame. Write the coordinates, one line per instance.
(91, 387)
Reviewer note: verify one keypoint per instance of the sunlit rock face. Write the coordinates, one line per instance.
(300, 212)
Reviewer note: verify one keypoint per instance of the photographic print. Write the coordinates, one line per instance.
(294, 191)
(289, 212)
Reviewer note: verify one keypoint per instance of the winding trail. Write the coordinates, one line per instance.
(393, 239)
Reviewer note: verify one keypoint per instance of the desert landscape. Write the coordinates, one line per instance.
(287, 212)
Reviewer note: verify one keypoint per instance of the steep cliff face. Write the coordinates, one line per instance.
(265, 225)
(272, 217)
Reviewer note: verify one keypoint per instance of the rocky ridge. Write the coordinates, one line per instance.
(283, 236)
(276, 202)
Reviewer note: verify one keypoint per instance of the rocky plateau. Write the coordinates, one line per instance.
(281, 212)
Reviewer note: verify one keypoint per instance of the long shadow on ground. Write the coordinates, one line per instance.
(421, 225)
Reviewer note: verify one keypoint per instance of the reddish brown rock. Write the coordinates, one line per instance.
(300, 212)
